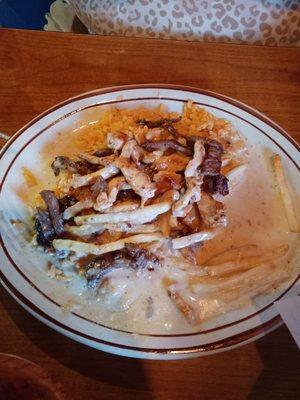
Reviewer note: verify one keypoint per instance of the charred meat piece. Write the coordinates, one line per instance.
(128, 194)
(158, 123)
(44, 228)
(103, 153)
(66, 202)
(132, 257)
(54, 210)
(216, 184)
(62, 163)
(99, 266)
(142, 258)
(164, 123)
(166, 145)
(212, 161)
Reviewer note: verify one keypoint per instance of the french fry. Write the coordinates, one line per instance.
(233, 254)
(90, 248)
(194, 270)
(77, 208)
(185, 309)
(242, 280)
(185, 241)
(245, 263)
(89, 229)
(163, 222)
(142, 215)
(234, 174)
(83, 180)
(291, 215)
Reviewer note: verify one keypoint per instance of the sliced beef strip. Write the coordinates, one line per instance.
(45, 232)
(66, 202)
(99, 266)
(54, 210)
(212, 161)
(132, 257)
(142, 258)
(159, 123)
(103, 152)
(216, 184)
(62, 163)
(164, 123)
(128, 194)
(166, 145)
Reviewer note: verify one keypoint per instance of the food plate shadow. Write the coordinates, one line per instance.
(279, 378)
(127, 373)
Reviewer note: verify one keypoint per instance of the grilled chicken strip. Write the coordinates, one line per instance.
(106, 200)
(212, 211)
(137, 179)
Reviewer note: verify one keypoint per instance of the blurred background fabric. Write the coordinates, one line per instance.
(258, 22)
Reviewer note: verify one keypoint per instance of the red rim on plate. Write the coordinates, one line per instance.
(222, 344)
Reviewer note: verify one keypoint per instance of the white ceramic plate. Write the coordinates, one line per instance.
(22, 273)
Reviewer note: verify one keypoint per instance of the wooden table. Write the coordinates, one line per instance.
(39, 69)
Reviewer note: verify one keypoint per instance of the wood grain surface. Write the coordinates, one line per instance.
(39, 69)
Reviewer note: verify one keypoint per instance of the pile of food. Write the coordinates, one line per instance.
(137, 210)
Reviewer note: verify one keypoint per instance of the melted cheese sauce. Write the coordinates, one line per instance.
(255, 216)
(139, 302)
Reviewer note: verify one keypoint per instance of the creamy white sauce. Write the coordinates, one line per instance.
(139, 302)
(256, 216)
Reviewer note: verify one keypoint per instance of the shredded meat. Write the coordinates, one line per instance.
(62, 163)
(196, 161)
(132, 150)
(129, 194)
(213, 182)
(193, 219)
(131, 257)
(164, 123)
(166, 145)
(107, 199)
(99, 186)
(166, 180)
(149, 158)
(212, 162)
(54, 210)
(103, 152)
(44, 228)
(137, 179)
(116, 141)
(193, 194)
(83, 180)
(106, 160)
(212, 211)
(160, 123)
(216, 184)
(66, 202)
(172, 163)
